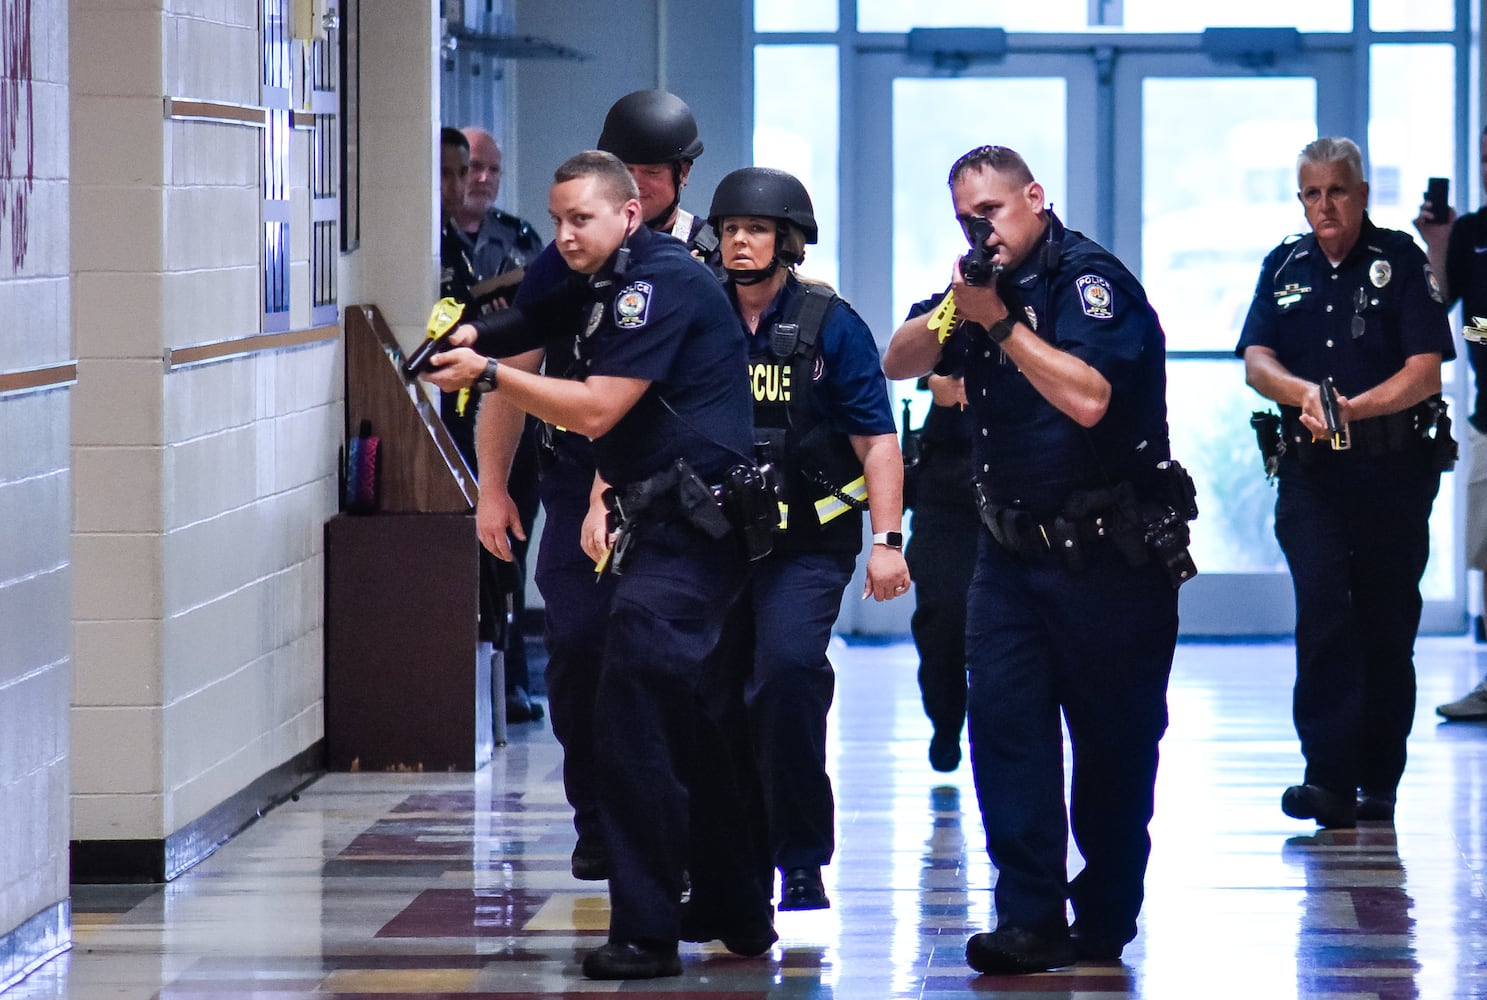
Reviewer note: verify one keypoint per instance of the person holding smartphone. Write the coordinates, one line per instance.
(1458, 253)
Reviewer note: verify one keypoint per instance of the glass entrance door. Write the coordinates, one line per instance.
(1185, 168)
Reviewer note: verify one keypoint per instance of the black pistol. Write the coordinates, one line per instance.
(1337, 431)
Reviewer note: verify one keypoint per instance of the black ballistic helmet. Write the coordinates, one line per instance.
(764, 192)
(650, 126)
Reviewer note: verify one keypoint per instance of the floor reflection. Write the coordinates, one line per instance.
(405, 885)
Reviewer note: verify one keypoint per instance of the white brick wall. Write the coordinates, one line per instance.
(35, 510)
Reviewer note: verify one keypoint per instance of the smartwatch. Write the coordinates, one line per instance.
(1000, 330)
(486, 381)
(892, 539)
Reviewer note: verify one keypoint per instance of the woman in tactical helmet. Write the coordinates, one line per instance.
(823, 420)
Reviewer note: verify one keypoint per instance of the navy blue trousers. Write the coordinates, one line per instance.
(1095, 646)
(1355, 532)
(771, 693)
(657, 748)
(942, 557)
(576, 616)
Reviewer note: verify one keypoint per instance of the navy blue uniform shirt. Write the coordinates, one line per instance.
(1304, 309)
(1081, 299)
(848, 375)
(667, 320)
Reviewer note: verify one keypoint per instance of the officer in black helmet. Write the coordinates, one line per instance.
(823, 420)
(655, 135)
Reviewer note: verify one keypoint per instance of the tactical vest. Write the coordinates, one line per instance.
(824, 488)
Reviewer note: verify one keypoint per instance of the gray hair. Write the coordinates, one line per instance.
(1332, 149)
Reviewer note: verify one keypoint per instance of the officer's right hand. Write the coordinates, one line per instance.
(981, 304)
(594, 534)
(497, 521)
(462, 336)
(1432, 229)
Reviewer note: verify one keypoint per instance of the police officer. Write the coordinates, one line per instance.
(823, 419)
(658, 393)
(1070, 608)
(499, 241)
(456, 276)
(1360, 305)
(942, 556)
(655, 134)
(1458, 254)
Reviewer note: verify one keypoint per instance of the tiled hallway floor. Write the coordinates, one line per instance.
(457, 885)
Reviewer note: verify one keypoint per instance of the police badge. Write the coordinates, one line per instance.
(1379, 272)
(1094, 296)
(633, 305)
(1433, 284)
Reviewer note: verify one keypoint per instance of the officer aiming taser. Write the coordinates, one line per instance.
(1337, 431)
(980, 266)
(444, 318)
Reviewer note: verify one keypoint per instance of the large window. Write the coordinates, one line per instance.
(1174, 149)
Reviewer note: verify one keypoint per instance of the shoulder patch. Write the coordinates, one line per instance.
(1434, 285)
(632, 307)
(1095, 296)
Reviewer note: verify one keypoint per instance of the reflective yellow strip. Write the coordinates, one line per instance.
(784, 524)
(829, 508)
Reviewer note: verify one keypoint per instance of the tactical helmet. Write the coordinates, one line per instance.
(650, 126)
(764, 192)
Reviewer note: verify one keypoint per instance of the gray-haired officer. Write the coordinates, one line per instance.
(1359, 305)
(499, 241)
(1073, 607)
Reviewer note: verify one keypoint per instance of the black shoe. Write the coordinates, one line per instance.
(1329, 809)
(1376, 808)
(521, 708)
(631, 960)
(749, 936)
(1014, 951)
(1094, 947)
(590, 862)
(802, 890)
(944, 751)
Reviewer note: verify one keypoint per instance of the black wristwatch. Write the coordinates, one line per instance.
(1001, 329)
(487, 379)
(892, 539)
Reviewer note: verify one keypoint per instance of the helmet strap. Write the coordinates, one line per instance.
(752, 276)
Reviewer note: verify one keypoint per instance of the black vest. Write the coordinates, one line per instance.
(821, 475)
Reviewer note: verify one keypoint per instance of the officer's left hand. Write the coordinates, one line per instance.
(978, 303)
(1313, 419)
(454, 369)
(887, 574)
